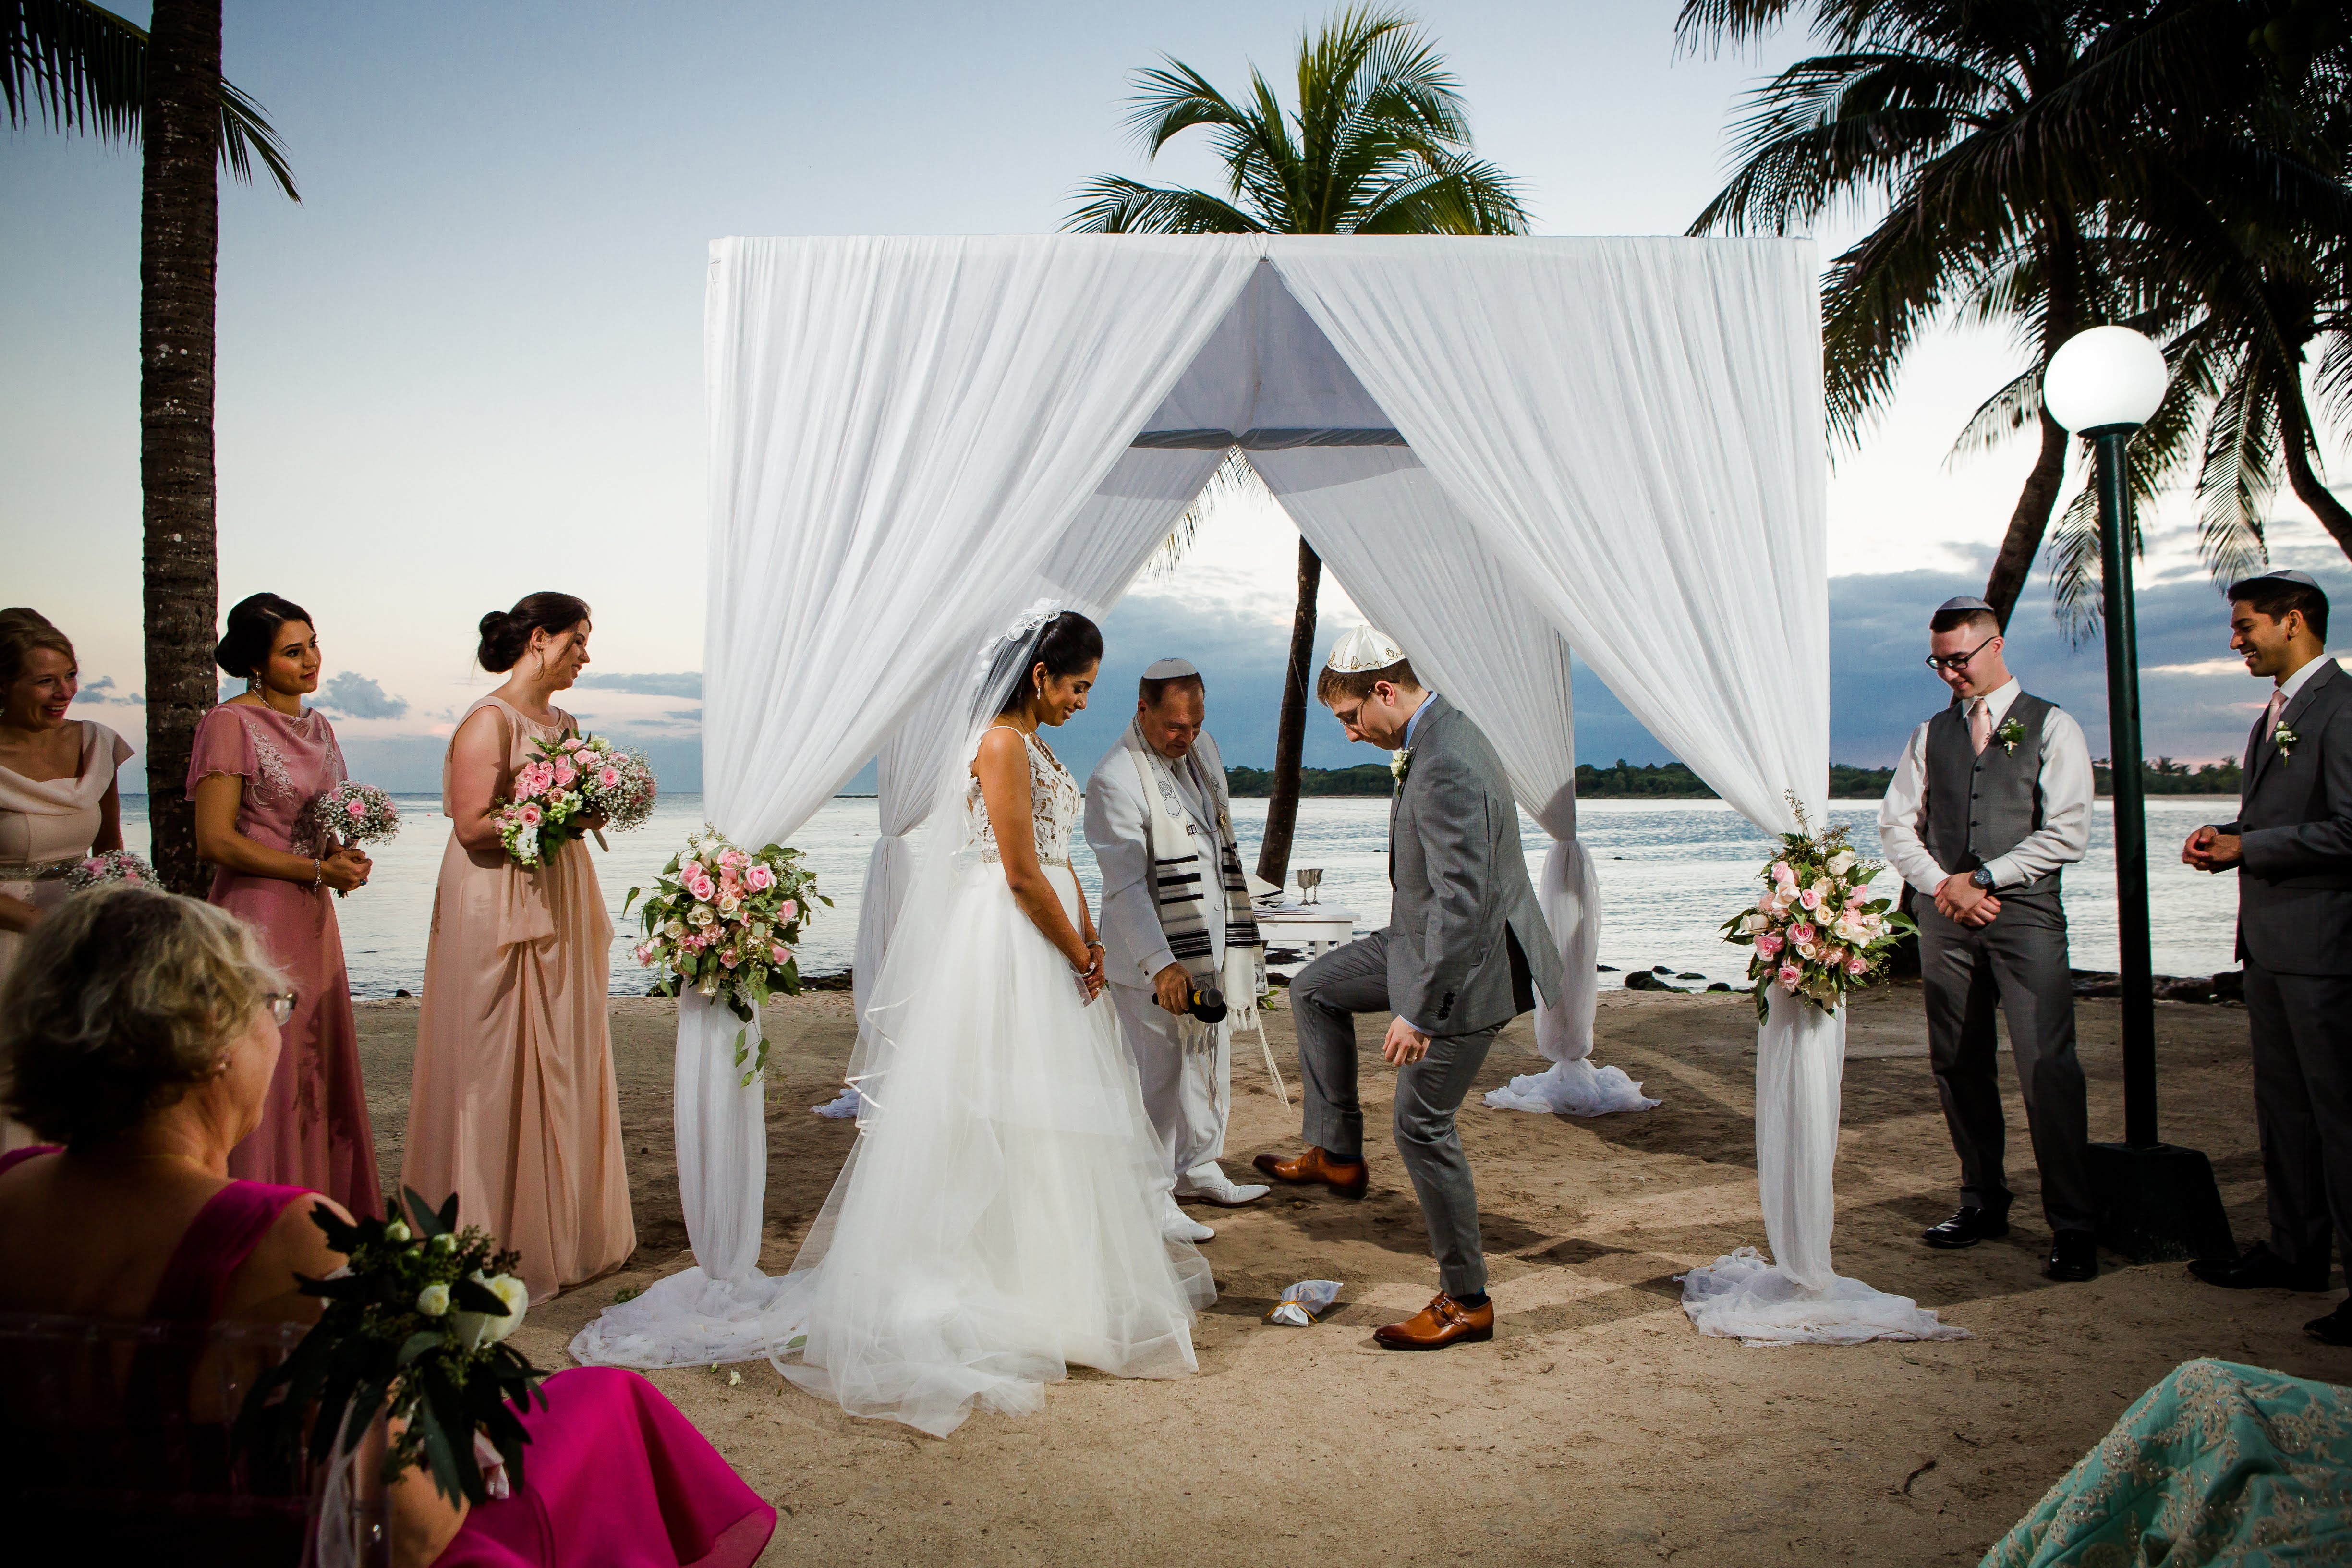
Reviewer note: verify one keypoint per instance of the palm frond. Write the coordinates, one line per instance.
(1998, 417)
(1712, 23)
(1234, 478)
(78, 66)
(1113, 203)
(2239, 475)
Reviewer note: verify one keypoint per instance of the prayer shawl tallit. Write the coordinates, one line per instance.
(1181, 883)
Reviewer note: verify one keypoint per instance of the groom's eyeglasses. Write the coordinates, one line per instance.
(1959, 661)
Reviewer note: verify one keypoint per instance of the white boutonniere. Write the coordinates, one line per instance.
(2009, 733)
(2287, 741)
(1400, 764)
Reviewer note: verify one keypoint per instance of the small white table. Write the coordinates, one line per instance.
(1315, 929)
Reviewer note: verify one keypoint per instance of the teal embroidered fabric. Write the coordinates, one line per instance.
(2218, 1464)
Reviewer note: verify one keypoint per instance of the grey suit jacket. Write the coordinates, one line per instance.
(1469, 946)
(2294, 821)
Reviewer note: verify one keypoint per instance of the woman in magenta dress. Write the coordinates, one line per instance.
(141, 1033)
(259, 761)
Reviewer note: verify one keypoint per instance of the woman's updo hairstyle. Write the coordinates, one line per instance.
(1069, 643)
(21, 631)
(253, 624)
(505, 634)
(120, 1001)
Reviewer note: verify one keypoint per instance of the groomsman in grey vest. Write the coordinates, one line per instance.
(1992, 800)
(2291, 846)
(1176, 916)
(1465, 950)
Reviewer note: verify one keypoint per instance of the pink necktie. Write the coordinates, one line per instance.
(2278, 705)
(1979, 726)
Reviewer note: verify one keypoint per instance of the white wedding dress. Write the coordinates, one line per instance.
(997, 1220)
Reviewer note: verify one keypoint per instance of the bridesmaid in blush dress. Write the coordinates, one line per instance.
(57, 797)
(515, 1107)
(259, 761)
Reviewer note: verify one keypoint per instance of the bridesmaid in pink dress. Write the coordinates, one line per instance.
(140, 1219)
(58, 798)
(515, 1107)
(259, 762)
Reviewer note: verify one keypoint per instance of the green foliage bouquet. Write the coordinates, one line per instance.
(721, 921)
(1816, 931)
(412, 1330)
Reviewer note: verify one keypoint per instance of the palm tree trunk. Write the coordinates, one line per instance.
(1290, 738)
(2061, 317)
(2294, 439)
(179, 247)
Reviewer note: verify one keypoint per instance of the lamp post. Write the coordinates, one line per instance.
(2155, 1200)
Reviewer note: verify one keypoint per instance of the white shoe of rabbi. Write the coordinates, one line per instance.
(1178, 1226)
(1209, 1182)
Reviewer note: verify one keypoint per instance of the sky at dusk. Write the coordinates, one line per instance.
(468, 363)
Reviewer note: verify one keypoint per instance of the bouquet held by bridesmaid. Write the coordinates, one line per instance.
(577, 786)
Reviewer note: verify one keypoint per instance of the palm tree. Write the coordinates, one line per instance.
(2049, 165)
(1379, 143)
(81, 67)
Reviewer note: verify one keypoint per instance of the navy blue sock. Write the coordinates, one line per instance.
(1472, 1302)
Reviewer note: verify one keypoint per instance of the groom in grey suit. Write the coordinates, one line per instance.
(2291, 846)
(1465, 950)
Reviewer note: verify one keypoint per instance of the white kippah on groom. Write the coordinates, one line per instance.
(1176, 920)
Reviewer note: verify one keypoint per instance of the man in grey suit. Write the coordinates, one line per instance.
(2292, 849)
(1465, 950)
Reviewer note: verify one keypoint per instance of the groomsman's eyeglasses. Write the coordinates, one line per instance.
(1959, 661)
(281, 1006)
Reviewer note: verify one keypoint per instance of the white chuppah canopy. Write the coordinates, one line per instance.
(1504, 446)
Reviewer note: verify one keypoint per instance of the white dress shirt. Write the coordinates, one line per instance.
(2294, 683)
(2065, 785)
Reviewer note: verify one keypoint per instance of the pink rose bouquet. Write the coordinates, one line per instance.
(721, 921)
(111, 866)
(571, 778)
(1816, 931)
(351, 812)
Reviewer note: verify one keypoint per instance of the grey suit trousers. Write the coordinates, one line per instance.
(2300, 1026)
(1325, 998)
(2018, 965)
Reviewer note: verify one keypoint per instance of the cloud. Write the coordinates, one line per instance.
(679, 683)
(356, 696)
(103, 690)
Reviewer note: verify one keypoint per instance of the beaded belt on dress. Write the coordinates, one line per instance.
(38, 871)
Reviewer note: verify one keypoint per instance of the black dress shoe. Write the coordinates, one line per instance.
(1965, 1228)
(2335, 1329)
(2259, 1269)
(2074, 1256)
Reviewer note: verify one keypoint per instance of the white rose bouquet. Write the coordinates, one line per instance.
(722, 921)
(413, 1330)
(1817, 931)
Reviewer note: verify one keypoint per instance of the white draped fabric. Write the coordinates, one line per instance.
(908, 435)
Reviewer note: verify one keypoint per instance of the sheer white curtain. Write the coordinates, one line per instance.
(1635, 427)
(899, 430)
(1412, 562)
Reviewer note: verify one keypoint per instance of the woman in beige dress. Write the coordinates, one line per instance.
(515, 1107)
(57, 799)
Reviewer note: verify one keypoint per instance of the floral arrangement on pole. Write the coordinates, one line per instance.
(722, 921)
(109, 866)
(573, 778)
(413, 1331)
(1817, 931)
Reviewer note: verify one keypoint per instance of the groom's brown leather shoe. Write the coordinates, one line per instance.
(1442, 1322)
(1346, 1178)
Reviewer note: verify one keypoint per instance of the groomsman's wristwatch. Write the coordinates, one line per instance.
(1982, 877)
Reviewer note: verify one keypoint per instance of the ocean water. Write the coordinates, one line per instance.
(1671, 873)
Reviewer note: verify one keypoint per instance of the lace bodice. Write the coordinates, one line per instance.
(1055, 804)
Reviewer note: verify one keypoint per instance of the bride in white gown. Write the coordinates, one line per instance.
(996, 1220)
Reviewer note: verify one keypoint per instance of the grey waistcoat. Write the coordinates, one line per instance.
(1980, 808)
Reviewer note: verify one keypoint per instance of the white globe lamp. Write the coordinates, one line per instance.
(2108, 378)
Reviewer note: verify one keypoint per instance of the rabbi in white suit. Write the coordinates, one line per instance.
(1176, 921)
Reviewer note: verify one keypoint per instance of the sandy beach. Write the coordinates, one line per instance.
(1597, 1428)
